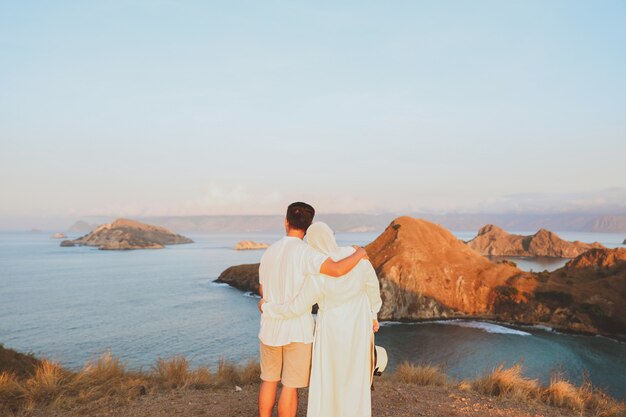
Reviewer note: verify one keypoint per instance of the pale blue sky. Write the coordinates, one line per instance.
(195, 107)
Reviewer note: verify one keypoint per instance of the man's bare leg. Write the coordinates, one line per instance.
(267, 398)
(288, 402)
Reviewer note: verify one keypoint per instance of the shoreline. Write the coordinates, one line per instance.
(515, 325)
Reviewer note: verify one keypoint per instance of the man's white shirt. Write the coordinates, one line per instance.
(284, 267)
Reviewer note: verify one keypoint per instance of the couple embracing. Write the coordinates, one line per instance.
(338, 361)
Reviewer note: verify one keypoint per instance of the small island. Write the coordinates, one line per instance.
(125, 234)
(493, 241)
(250, 245)
(58, 236)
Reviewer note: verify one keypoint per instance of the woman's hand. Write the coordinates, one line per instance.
(375, 325)
(361, 251)
(261, 305)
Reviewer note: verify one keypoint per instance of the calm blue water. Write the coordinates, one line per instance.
(71, 304)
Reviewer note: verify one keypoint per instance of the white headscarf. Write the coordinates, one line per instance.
(322, 238)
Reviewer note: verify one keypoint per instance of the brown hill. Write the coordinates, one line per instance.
(426, 272)
(19, 364)
(124, 234)
(491, 240)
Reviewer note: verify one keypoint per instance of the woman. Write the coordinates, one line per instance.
(344, 332)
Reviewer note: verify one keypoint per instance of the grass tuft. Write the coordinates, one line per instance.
(508, 382)
(421, 374)
(46, 385)
(599, 404)
(562, 393)
(12, 393)
(173, 372)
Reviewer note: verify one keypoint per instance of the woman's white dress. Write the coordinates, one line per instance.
(342, 348)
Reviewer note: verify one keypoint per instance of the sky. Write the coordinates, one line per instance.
(140, 108)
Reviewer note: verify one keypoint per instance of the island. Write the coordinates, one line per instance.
(426, 273)
(58, 236)
(250, 245)
(125, 234)
(493, 241)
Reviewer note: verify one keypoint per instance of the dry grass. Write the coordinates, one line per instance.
(46, 385)
(106, 380)
(508, 382)
(598, 404)
(172, 373)
(421, 374)
(12, 393)
(562, 393)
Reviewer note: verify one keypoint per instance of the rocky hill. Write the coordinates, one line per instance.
(492, 240)
(426, 272)
(124, 234)
(588, 294)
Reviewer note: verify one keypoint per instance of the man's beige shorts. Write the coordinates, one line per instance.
(290, 364)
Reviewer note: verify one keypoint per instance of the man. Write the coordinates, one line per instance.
(285, 345)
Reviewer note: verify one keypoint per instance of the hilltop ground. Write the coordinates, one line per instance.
(389, 399)
(106, 388)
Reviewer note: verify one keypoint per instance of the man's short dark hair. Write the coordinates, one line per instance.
(300, 215)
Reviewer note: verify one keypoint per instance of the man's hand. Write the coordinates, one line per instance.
(361, 251)
(375, 325)
(261, 305)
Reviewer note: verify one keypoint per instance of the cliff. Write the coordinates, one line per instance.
(492, 240)
(124, 234)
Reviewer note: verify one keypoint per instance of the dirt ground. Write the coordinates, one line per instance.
(389, 399)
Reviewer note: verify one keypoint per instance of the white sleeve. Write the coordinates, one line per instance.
(372, 287)
(262, 270)
(306, 297)
(313, 260)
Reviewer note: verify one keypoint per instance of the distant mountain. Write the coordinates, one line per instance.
(81, 227)
(609, 224)
(357, 222)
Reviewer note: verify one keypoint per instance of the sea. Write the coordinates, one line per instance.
(73, 304)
